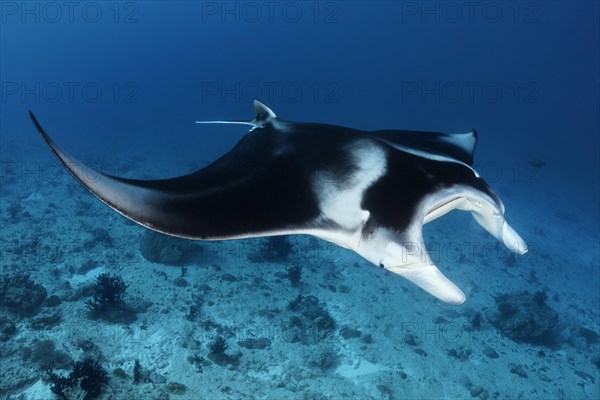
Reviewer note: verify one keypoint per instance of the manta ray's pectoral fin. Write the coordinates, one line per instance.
(264, 115)
(135, 203)
(221, 201)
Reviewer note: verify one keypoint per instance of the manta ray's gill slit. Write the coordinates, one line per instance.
(438, 206)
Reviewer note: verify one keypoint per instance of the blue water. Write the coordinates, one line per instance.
(120, 84)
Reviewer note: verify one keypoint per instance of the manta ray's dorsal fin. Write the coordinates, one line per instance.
(264, 115)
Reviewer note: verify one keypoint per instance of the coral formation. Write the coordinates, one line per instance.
(526, 317)
(325, 360)
(163, 249)
(108, 301)
(255, 343)
(310, 322)
(218, 356)
(44, 354)
(100, 236)
(218, 346)
(85, 381)
(272, 249)
(21, 295)
(7, 328)
(137, 372)
(109, 292)
(294, 274)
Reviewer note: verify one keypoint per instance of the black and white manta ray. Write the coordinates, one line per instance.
(370, 192)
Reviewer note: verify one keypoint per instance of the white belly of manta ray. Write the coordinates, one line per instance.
(343, 190)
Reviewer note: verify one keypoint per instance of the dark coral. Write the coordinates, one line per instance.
(476, 321)
(46, 322)
(255, 343)
(137, 372)
(7, 328)
(108, 301)
(460, 353)
(526, 317)
(294, 304)
(272, 249)
(100, 237)
(109, 292)
(218, 355)
(44, 354)
(325, 360)
(218, 346)
(176, 388)
(589, 335)
(21, 295)
(163, 249)
(540, 297)
(294, 274)
(350, 333)
(87, 379)
(310, 322)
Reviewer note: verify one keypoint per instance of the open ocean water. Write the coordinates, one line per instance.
(95, 306)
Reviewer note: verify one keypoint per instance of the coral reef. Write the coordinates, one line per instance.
(43, 353)
(475, 322)
(107, 301)
(325, 360)
(589, 335)
(272, 249)
(7, 328)
(163, 249)
(255, 343)
(526, 317)
(109, 292)
(176, 388)
(218, 346)
(310, 321)
(21, 295)
(137, 372)
(218, 356)
(460, 353)
(294, 274)
(350, 333)
(85, 381)
(100, 236)
(46, 322)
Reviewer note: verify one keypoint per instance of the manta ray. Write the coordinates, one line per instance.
(367, 191)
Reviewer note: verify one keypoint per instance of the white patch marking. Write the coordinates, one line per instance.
(340, 201)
